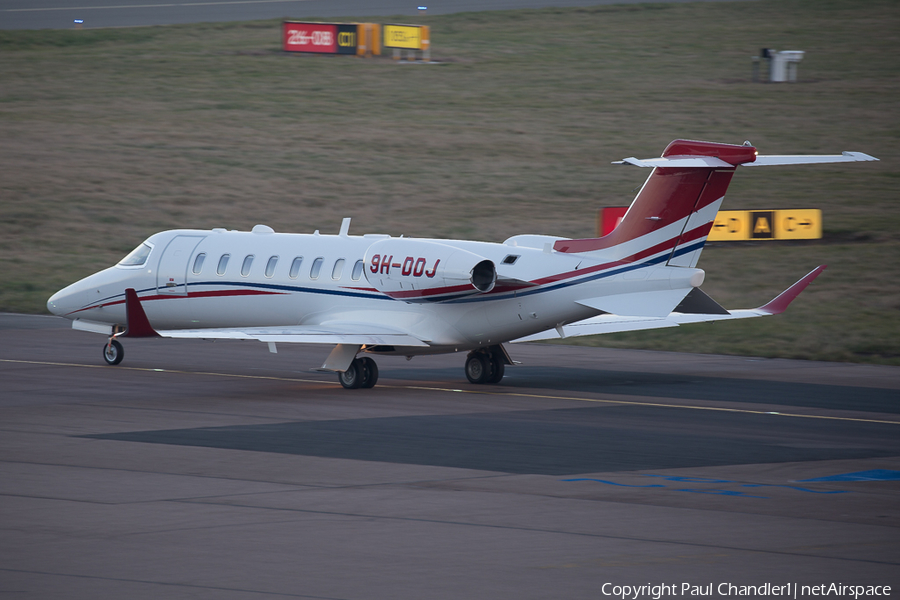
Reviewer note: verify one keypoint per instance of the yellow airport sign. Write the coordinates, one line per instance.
(798, 224)
(403, 36)
(790, 224)
(730, 226)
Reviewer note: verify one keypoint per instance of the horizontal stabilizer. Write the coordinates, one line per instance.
(808, 159)
(770, 160)
(676, 161)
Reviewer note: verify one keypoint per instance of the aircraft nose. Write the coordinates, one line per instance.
(53, 304)
(66, 301)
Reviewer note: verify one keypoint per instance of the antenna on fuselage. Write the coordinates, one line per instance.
(345, 227)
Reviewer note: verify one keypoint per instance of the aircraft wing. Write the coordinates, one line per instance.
(697, 307)
(345, 333)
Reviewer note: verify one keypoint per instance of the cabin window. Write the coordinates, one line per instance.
(295, 267)
(245, 268)
(136, 257)
(198, 263)
(223, 264)
(316, 267)
(270, 266)
(357, 270)
(338, 269)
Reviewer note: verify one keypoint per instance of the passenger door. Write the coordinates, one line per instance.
(171, 276)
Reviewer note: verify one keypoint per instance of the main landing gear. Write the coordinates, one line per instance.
(482, 366)
(362, 373)
(486, 366)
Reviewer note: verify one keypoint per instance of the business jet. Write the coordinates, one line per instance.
(373, 295)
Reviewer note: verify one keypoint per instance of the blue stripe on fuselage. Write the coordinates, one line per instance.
(664, 258)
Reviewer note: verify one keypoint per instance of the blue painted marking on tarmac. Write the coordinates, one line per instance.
(723, 492)
(690, 479)
(871, 475)
(795, 487)
(653, 485)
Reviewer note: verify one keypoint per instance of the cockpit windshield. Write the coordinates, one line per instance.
(137, 257)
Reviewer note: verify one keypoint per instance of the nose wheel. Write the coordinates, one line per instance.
(113, 352)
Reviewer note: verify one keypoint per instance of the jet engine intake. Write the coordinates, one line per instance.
(484, 276)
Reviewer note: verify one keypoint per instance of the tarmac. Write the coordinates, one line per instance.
(218, 470)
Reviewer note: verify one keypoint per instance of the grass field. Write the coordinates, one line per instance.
(107, 136)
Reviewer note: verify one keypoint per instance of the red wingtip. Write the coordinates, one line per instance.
(780, 303)
(136, 322)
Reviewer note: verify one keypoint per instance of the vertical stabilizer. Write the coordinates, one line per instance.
(673, 213)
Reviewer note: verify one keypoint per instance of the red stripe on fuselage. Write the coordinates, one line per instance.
(658, 248)
(694, 234)
(207, 294)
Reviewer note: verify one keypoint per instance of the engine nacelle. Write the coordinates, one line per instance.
(422, 271)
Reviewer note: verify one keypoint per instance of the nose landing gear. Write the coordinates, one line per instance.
(136, 325)
(113, 352)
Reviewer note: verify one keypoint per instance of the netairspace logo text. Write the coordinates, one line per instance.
(731, 590)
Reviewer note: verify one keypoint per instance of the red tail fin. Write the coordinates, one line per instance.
(675, 200)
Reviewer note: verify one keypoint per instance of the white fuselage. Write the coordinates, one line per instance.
(317, 280)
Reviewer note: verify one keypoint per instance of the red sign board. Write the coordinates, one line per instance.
(310, 37)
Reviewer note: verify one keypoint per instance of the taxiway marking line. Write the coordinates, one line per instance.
(660, 405)
(168, 5)
(480, 392)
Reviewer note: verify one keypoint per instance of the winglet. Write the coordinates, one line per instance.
(136, 322)
(782, 300)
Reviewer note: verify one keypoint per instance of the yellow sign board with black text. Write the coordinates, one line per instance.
(788, 224)
(403, 36)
